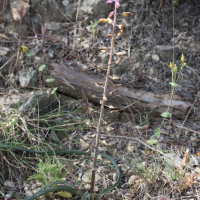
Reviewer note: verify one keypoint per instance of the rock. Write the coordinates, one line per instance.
(90, 8)
(3, 51)
(84, 145)
(147, 56)
(13, 79)
(65, 2)
(71, 9)
(33, 186)
(83, 66)
(132, 179)
(8, 196)
(155, 57)
(166, 52)
(130, 147)
(17, 7)
(41, 99)
(88, 175)
(114, 176)
(28, 77)
(9, 184)
(88, 186)
(136, 66)
(177, 161)
(53, 26)
(28, 193)
(123, 167)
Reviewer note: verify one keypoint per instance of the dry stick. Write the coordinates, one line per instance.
(102, 105)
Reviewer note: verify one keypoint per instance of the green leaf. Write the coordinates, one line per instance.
(174, 84)
(96, 23)
(62, 175)
(179, 174)
(42, 67)
(166, 114)
(64, 194)
(49, 80)
(39, 177)
(175, 3)
(152, 141)
(54, 90)
(157, 132)
(30, 54)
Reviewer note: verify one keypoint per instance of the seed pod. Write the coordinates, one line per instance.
(110, 21)
(113, 111)
(102, 48)
(186, 159)
(109, 35)
(112, 92)
(120, 33)
(117, 85)
(103, 20)
(126, 14)
(120, 53)
(118, 61)
(122, 27)
(114, 77)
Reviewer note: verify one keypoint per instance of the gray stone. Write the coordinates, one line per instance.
(71, 8)
(166, 52)
(53, 26)
(28, 77)
(3, 51)
(41, 99)
(13, 79)
(155, 57)
(136, 66)
(88, 175)
(65, 2)
(9, 184)
(91, 8)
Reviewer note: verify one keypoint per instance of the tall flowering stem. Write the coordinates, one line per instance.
(103, 102)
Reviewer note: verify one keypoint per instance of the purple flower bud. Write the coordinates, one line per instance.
(111, 14)
(109, 2)
(117, 4)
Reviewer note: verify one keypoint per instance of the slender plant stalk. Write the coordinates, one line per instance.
(102, 105)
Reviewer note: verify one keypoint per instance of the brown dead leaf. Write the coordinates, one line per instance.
(19, 9)
(186, 182)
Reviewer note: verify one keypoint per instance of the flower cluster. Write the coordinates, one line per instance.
(110, 21)
(117, 3)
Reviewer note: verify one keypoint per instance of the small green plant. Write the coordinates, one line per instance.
(49, 172)
(175, 78)
(94, 25)
(146, 173)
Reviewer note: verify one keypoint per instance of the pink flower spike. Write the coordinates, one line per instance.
(117, 4)
(109, 2)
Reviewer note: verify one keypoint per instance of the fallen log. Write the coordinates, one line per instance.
(73, 83)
